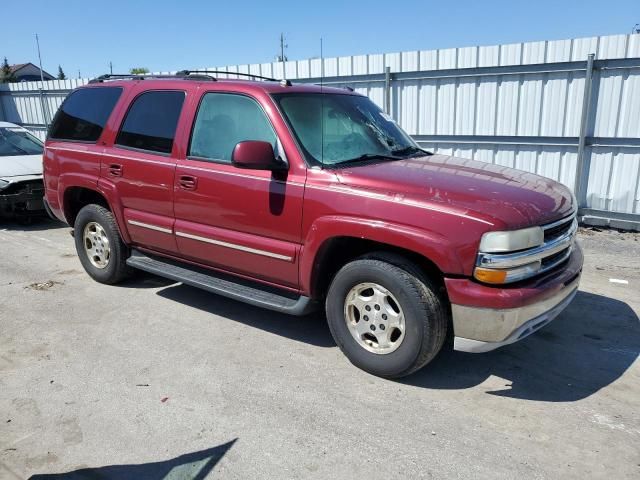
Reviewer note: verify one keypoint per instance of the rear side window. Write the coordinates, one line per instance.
(84, 113)
(224, 120)
(151, 121)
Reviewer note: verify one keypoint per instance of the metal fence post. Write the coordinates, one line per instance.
(387, 90)
(45, 111)
(3, 114)
(582, 176)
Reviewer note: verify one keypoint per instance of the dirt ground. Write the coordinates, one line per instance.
(152, 379)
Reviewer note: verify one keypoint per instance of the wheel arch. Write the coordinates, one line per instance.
(75, 197)
(337, 251)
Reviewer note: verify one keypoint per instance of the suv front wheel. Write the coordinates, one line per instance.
(386, 316)
(100, 248)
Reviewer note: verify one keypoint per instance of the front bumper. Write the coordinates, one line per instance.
(22, 203)
(486, 318)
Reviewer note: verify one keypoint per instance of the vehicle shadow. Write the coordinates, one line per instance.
(311, 329)
(590, 345)
(32, 224)
(141, 279)
(191, 466)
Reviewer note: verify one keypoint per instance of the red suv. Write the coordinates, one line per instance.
(293, 196)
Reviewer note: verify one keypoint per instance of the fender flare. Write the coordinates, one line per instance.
(103, 187)
(433, 246)
(108, 190)
(71, 180)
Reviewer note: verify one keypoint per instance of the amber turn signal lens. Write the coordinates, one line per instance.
(490, 276)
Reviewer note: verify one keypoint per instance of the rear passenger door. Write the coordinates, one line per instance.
(244, 221)
(142, 165)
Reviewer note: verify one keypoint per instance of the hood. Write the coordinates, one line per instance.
(17, 165)
(503, 196)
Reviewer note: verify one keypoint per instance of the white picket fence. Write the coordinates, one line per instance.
(521, 105)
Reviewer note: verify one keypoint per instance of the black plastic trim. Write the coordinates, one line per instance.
(225, 285)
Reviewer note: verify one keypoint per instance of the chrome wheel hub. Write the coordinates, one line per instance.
(374, 318)
(96, 245)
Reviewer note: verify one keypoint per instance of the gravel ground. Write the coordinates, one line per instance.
(157, 380)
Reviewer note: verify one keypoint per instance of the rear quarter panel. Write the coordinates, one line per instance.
(69, 164)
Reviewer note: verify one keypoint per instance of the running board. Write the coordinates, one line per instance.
(221, 284)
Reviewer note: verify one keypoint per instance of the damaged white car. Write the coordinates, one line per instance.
(21, 186)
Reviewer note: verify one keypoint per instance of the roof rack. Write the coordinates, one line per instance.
(145, 76)
(184, 75)
(238, 74)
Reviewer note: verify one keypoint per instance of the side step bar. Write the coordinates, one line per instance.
(225, 285)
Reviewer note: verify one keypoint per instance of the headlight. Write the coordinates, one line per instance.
(508, 242)
(501, 242)
(3, 184)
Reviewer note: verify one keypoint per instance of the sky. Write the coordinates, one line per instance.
(161, 35)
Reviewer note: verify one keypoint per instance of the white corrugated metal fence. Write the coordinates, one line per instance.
(520, 105)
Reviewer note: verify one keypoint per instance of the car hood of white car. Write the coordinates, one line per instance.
(20, 165)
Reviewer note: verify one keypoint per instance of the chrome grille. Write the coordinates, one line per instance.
(558, 243)
(557, 229)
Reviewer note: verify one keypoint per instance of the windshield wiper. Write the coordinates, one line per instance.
(408, 151)
(368, 156)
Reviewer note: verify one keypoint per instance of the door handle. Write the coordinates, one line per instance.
(187, 182)
(115, 170)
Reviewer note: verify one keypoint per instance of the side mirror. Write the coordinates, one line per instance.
(256, 155)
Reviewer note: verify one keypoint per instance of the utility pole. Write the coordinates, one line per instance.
(282, 58)
(79, 74)
(45, 115)
(282, 47)
(111, 68)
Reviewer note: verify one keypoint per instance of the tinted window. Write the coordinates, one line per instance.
(84, 113)
(224, 120)
(151, 121)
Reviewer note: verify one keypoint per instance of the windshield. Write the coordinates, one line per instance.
(16, 141)
(336, 129)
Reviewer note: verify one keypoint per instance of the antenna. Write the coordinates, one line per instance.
(321, 64)
(321, 104)
(45, 112)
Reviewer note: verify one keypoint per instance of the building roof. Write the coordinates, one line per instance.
(19, 66)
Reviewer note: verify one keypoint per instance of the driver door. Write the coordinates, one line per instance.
(247, 222)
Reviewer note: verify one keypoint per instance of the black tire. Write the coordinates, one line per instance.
(425, 314)
(116, 269)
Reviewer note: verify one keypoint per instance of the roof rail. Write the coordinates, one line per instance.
(144, 76)
(239, 74)
(185, 75)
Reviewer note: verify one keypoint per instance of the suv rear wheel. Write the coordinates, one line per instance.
(386, 316)
(100, 248)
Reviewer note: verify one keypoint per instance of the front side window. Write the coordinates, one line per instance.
(17, 141)
(151, 121)
(84, 114)
(336, 129)
(224, 120)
